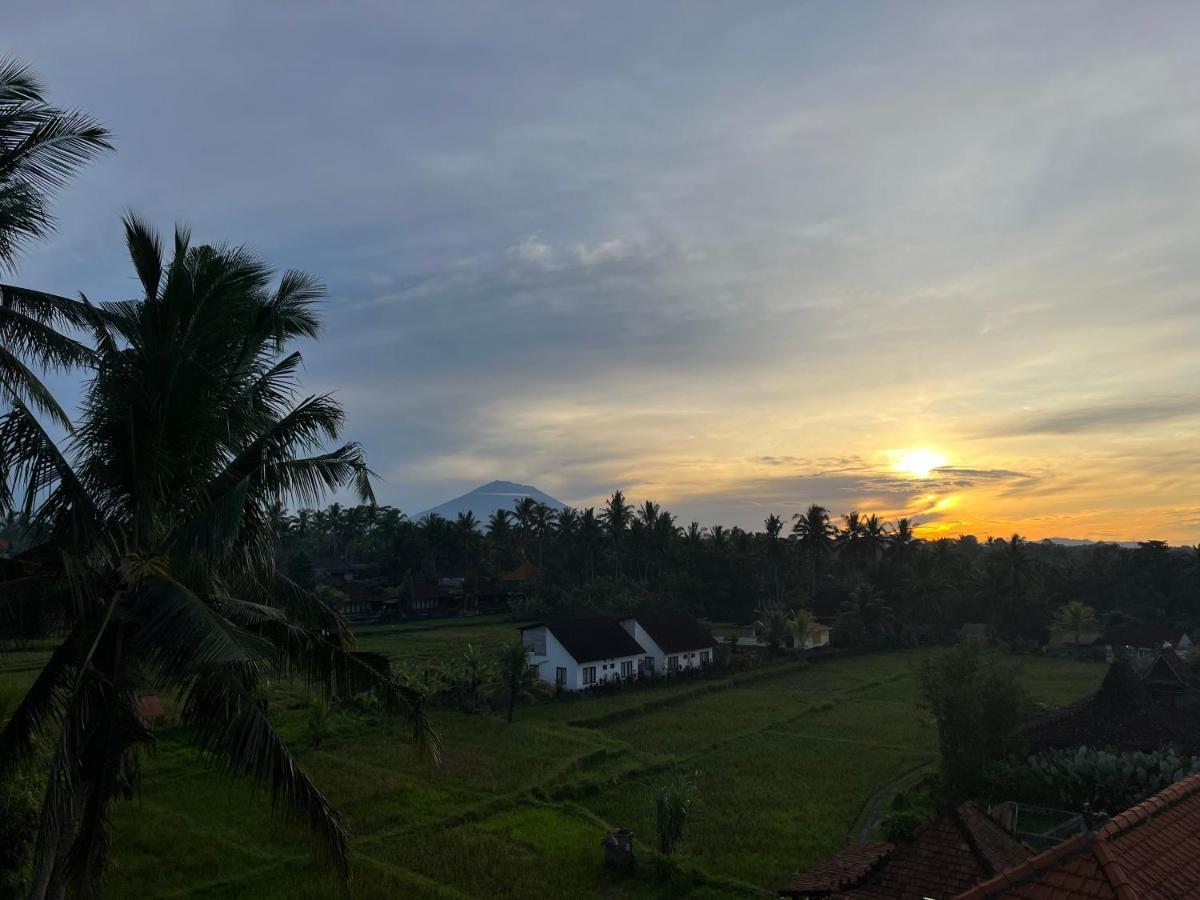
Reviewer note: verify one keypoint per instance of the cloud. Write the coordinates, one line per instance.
(1120, 416)
(725, 262)
(534, 250)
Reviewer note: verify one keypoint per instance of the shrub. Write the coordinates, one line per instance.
(898, 827)
(1105, 780)
(672, 804)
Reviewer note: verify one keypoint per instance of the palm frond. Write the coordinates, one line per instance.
(42, 709)
(234, 733)
(146, 252)
(179, 634)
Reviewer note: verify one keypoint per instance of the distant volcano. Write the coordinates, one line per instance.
(486, 499)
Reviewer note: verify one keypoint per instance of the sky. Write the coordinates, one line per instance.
(925, 259)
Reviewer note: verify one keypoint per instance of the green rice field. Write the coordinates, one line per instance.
(785, 758)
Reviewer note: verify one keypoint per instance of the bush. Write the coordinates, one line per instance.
(672, 804)
(898, 827)
(1107, 781)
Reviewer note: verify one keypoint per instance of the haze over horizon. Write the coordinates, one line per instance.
(914, 259)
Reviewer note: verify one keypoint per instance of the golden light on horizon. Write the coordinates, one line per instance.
(919, 462)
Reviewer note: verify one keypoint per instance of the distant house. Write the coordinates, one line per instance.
(957, 849)
(1169, 681)
(579, 654)
(672, 641)
(1144, 639)
(818, 636)
(522, 574)
(362, 604)
(427, 601)
(332, 568)
(1124, 715)
(1149, 851)
(1066, 640)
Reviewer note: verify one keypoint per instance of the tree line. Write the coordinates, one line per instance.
(878, 579)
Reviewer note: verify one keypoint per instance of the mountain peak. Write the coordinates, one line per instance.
(484, 500)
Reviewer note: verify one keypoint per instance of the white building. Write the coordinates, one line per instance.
(673, 641)
(818, 636)
(578, 654)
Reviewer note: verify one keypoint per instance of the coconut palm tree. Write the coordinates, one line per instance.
(874, 537)
(41, 146)
(590, 531)
(158, 562)
(866, 612)
(616, 516)
(901, 540)
(815, 534)
(797, 626)
(1074, 618)
(542, 519)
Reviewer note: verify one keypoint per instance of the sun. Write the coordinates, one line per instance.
(920, 462)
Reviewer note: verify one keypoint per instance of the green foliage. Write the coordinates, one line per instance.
(516, 677)
(318, 721)
(977, 700)
(898, 827)
(673, 802)
(1073, 619)
(20, 796)
(1106, 780)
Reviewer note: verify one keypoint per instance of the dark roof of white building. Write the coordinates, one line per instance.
(675, 632)
(591, 639)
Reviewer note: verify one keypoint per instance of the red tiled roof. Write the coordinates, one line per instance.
(1150, 852)
(840, 871)
(1122, 715)
(958, 848)
(524, 572)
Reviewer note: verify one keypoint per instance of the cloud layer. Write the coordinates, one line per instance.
(735, 260)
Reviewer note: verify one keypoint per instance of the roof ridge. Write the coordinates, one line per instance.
(1035, 865)
(1165, 799)
(960, 823)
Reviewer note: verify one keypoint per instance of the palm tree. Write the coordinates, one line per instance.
(874, 537)
(797, 626)
(616, 516)
(518, 678)
(590, 531)
(849, 539)
(815, 533)
(901, 540)
(772, 625)
(542, 521)
(158, 561)
(41, 146)
(523, 514)
(867, 611)
(1075, 617)
(772, 529)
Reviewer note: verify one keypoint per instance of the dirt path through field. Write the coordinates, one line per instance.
(871, 813)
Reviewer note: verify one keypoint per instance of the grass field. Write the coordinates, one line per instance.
(785, 759)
